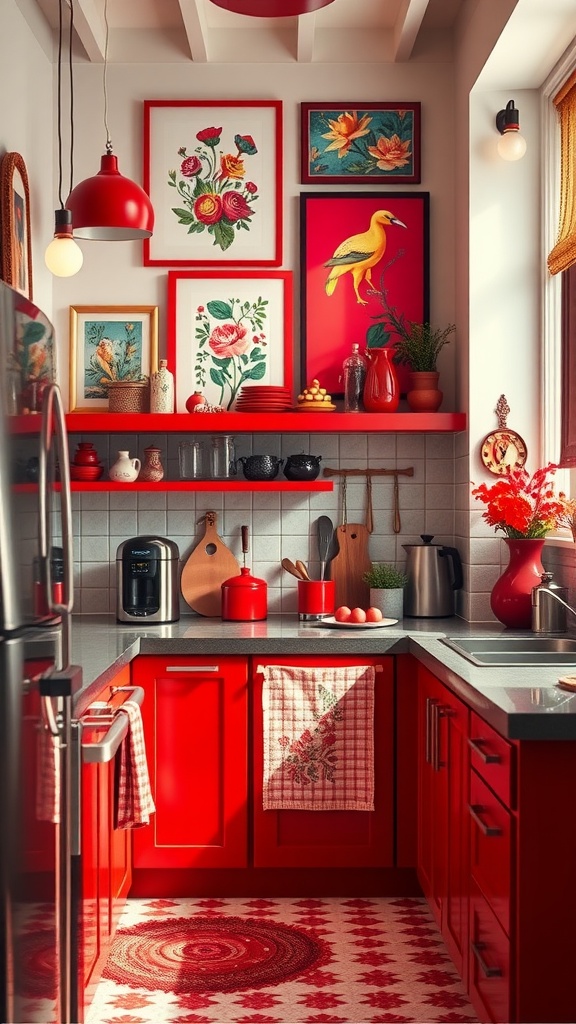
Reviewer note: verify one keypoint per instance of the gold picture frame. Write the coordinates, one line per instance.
(109, 343)
(15, 220)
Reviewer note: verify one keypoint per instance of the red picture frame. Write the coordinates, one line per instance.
(213, 171)
(227, 329)
(374, 144)
(330, 323)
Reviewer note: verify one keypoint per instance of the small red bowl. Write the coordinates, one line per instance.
(86, 473)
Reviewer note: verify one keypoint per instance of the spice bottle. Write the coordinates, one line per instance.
(162, 389)
(354, 370)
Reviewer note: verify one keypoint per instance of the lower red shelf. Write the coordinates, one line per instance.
(192, 485)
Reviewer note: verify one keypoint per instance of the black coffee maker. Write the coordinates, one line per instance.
(147, 580)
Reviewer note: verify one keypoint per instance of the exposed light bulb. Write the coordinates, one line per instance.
(63, 255)
(511, 145)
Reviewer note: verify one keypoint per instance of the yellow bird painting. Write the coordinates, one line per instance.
(359, 253)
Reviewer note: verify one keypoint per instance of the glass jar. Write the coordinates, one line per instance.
(190, 460)
(223, 458)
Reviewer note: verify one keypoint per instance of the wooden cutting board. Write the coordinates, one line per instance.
(206, 569)
(350, 564)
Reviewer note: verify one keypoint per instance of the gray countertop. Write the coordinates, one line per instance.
(521, 703)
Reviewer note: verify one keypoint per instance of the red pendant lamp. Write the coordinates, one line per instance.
(272, 8)
(108, 206)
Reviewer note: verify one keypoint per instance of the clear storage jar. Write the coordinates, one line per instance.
(190, 460)
(222, 457)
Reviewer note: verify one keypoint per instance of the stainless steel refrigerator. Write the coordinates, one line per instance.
(38, 910)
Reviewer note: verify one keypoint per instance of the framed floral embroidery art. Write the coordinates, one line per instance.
(109, 344)
(357, 144)
(227, 330)
(213, 171)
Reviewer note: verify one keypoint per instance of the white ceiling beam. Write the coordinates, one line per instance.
(407, 26)
(196, 28)
(90, 29)
(305, 42)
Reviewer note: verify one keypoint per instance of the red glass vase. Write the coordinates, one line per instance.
(381, 388)
(511, 598)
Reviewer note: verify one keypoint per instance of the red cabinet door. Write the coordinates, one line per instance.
(443, 811)
(195, 728)
(330, 839)
(489, 981)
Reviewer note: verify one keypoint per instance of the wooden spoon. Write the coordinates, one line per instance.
(291, 568)
(301, 566)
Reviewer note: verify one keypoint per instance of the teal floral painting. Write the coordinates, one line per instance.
(360, 144)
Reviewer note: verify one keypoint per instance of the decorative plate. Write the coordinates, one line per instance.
(331, 623)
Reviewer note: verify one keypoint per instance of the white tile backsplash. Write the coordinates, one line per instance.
(284, 524)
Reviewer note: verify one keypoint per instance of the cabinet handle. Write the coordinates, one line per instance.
(192, 668)
(438, 712)
(476, 746)
(488, 972)
(487, 830)
(429, 706)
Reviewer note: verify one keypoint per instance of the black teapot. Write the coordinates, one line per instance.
(302, 467)
(260, 467)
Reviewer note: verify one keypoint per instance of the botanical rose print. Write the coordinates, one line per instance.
(211, 187)
(208, 208)
(235, 206)
(231, 166)
(190, 167)
(229, 340)
(233, 349)
(360, 143)
(390, 153)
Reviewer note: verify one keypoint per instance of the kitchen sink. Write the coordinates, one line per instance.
(515, 650)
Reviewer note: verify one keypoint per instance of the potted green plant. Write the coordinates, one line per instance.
(417, 346)
(386, 584)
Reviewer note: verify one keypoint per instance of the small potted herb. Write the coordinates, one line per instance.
(386, 584)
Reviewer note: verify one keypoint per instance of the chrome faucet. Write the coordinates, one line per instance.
(548, 608)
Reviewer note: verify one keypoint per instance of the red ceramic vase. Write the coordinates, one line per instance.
(511, 598)
(381, 388)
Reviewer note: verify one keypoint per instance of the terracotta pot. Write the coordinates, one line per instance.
(511, 597)
(381, 388)
(423, 393)
(128, 396)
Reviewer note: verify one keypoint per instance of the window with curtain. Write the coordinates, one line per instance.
(562, 260)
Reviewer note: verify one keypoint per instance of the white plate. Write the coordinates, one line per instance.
(332, 624)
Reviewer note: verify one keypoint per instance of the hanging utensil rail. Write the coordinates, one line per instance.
(369, 473)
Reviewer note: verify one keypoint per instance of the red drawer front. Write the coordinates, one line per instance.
(489, 975)
(492, 757)
(490, 848)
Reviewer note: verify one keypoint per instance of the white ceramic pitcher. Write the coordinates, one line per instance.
(125, 470)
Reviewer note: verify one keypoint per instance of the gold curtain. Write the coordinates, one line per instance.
(563, 254)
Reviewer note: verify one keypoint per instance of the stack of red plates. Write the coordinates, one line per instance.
(263, 398)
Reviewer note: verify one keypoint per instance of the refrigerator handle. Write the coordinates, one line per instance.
(54, 426)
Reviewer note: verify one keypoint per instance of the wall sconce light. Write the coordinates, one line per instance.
(109, 206)
(63, 256)
(511, 145)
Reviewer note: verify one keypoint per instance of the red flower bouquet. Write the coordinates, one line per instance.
(522, 506)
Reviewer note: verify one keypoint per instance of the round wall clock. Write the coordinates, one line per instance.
(503, 450)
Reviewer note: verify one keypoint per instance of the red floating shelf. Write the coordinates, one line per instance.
(190, 485)
(269, 423)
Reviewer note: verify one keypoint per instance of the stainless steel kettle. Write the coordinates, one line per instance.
(434, 574)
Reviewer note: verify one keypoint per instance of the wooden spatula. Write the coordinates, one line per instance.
(206, 569)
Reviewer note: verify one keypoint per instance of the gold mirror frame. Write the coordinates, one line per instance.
(15, 221)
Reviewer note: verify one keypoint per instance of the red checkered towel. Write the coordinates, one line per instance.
(135, 803)
(319, 738)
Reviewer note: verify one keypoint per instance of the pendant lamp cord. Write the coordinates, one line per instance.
(104, 80)
(71, 76)
(59, 123)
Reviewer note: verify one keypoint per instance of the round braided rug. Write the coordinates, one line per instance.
(211, 954)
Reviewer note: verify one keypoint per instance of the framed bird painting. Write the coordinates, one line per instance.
(355, 248)
(109, 344)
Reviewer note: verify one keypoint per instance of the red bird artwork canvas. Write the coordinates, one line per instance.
(354, 246)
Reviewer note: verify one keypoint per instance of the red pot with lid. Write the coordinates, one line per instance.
(244, 597)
